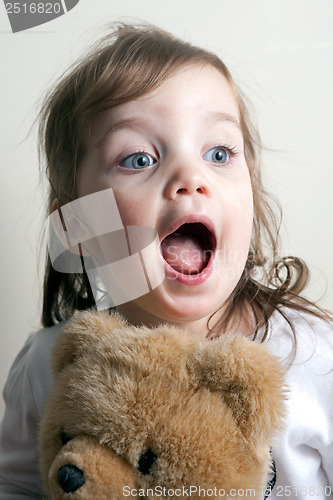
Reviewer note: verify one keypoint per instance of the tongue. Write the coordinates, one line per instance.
(184, 253)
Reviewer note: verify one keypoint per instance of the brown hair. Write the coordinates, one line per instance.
(124, 65)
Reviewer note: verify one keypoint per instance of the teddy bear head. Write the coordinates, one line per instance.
(154, 412)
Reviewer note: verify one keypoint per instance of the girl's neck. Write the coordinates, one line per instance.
(199, 328)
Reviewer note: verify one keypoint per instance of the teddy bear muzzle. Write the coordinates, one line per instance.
(85, 469)
(70, 478)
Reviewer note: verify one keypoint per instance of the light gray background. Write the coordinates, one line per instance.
(280, 53)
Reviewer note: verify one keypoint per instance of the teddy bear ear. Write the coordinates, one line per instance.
(249, 379)
(81, 334)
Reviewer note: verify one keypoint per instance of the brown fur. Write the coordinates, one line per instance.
(208, 410)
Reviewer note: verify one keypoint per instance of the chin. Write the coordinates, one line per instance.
(184, 309)
(175, 304)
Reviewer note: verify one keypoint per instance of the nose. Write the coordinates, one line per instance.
(186, 175)
(70, 478)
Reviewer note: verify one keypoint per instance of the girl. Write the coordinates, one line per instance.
(162, 123)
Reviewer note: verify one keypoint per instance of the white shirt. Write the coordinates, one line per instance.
(303, 453)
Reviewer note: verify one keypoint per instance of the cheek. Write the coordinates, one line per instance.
(134, 211)
(245, 217)
(245, 223)
(241, 199)
(239, 222)
(236, 239)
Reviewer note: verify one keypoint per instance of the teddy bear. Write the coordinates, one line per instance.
(154, 412)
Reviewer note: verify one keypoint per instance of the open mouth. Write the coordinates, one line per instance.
(189, 248)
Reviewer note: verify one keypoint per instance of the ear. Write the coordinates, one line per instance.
(249, 379)
(82, 334)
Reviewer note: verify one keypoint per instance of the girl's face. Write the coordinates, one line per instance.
(175, 161)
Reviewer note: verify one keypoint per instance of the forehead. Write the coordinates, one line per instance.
(193, 92)
(194, 83)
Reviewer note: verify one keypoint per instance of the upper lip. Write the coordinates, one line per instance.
(187, 219)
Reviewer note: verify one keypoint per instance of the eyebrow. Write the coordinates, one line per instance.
(217, 116)
(133, 123)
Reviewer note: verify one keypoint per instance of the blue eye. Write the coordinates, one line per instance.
(217, 155)
(137, 161)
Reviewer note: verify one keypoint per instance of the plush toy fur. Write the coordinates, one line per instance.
(145, 408)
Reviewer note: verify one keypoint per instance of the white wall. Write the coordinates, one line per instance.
(280, 52)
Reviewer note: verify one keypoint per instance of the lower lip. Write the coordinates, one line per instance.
(190, 279)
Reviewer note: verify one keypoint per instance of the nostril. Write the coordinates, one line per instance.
(70, 478)
(146, 461)
(200, 190)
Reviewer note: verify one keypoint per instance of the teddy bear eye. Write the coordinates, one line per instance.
(65, 437)
(146, 461)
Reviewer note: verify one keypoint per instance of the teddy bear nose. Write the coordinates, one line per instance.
(146, 461)
(70, 478)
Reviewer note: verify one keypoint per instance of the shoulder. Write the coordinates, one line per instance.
(32, 366)
(302, 339)
(40, 344)
(307, 355)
